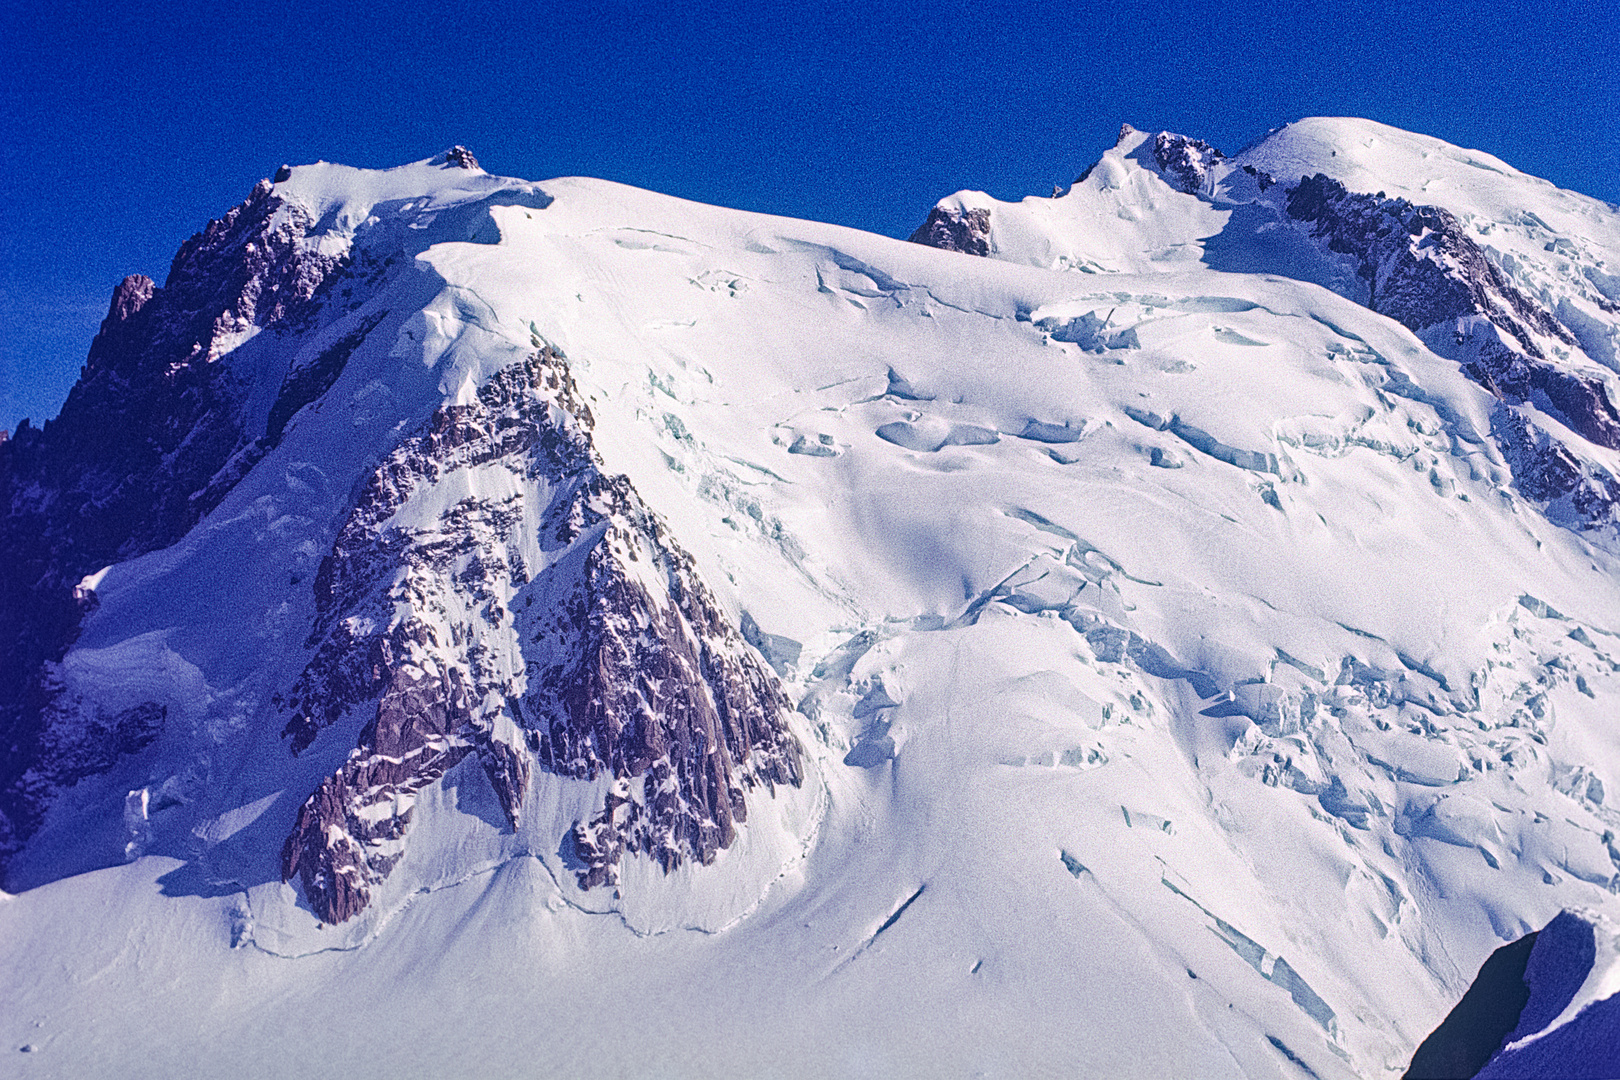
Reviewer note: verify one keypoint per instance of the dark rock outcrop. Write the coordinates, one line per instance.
(459, 157)
(601, 653)
(1475, 1029)
(1183, 162)
(1521, 989)
(967, 231)
(1550, 472)
(1420, 266)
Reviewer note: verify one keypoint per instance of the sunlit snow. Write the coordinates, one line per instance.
(1187, 690)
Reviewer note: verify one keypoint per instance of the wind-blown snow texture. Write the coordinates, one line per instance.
(1183, 642)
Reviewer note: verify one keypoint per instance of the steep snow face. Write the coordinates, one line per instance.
(1182, 680)
(1560, 248)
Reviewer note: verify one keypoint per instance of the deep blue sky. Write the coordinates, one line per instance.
(127, 129)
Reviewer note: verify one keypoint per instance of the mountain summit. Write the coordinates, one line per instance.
(1172, 626)
(1442, 240)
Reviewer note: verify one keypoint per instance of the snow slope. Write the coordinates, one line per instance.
(1185, 686)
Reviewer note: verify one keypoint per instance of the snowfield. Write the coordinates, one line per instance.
(1184, 685)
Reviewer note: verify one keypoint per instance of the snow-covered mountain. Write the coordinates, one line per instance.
(581, 630)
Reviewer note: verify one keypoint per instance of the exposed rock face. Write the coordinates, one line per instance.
(545, 616)
(460, 157)
(1575, 491)
(136, 457)
(244, 270)
(967, 231)
(1184, 162)
(658, 688)
(1423, 270)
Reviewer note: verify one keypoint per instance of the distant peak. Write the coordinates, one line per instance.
(458, 157)
(1125, 132)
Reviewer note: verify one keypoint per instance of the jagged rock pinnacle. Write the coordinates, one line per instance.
(130, 296)
(459, 157)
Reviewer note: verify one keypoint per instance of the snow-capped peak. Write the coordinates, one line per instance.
(342, 199)
(1201, 613)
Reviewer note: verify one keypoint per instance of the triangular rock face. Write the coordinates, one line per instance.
(956, 229)
(495, 594)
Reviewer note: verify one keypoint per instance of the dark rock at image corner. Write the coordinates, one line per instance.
(1522, 988)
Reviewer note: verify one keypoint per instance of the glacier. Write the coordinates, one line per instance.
(1089, 639)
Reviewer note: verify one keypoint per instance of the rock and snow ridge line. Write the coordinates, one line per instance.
(176, 403)
(1547, 350)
